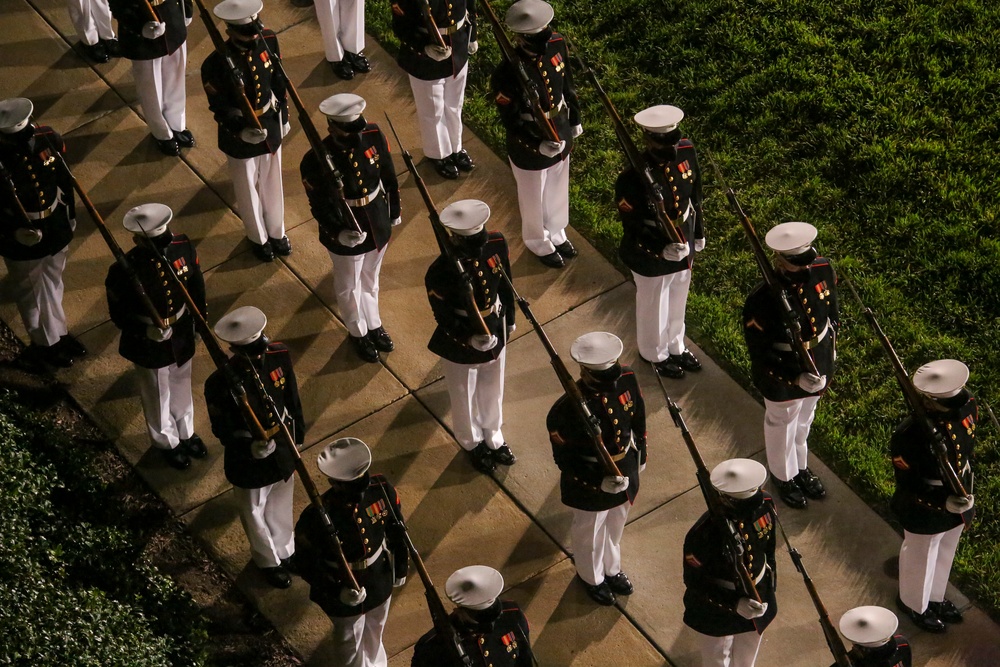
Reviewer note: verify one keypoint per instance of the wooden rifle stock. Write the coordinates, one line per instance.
(278, 431)
(789, 312)
(335, 179)
(439, 615)
(236, 78)
(152, 12)
(914, 401)
(833, 640)
(443, 238)
(509, 53)
(430, 25)
(109, 239)
(654, 191)
(568, 383)
(713, 499)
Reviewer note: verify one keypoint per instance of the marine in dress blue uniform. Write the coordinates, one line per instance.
(662, 269)
(872, 631)
(790, 392)
(600, 502)
(361, 154)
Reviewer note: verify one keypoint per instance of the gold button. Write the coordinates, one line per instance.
(366, 540)
(356, 511)
(486, 653)
(355, 163)
(604, 399)
(480, 274)
(481, 640)
(610, 411)
(614, 421)
(362, 531)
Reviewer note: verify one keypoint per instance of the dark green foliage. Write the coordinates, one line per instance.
(75, 589)
(878, 122)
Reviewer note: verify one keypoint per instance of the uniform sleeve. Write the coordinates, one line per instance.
(387, 171)
(697, 195)
(759, 331)
(634, 209)
(639, 422)
(279, 84)
(505, 290)
(223, 413)
(911, 454)
(700, 546)
(121, 307)
(196, 285)
(321, 202)
(834, 300)
(218, 89)
(307, 553)
(525, 658)
(569, 89)
(395, 534)
(442, 297)
(568, 440)
(406, 24)
(294, 404)
(473, 10)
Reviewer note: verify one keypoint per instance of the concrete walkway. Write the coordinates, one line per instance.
(457, 517)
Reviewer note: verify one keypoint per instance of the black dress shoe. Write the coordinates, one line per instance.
(358, 62)
(482, 458)
(503, 455)
(946, 611)
(925, 621)
(686, 360)
(96, 53)
(668, 368)
(168, 146)
(553, 260)
(184, 139)
(601, 593)
(282, 246)
(619, 584)
(277, 576)
(791, 494)
(176, 458)
(194, 446)
(462, 161)
(567, 250)
(342, 69)
(445, 168)
(365, 348)
(112, 46)
(810, 484)
(381, 340)
(263, 252)
(72, 346)
(43, 356)
(291, 564)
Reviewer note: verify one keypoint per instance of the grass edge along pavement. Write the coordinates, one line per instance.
(868, 122)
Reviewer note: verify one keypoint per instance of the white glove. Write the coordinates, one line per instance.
(473, 47)
(396, 583)
(699, 245)
(261, 450)
(510, 330)
(252, 135)
(613, 484)
(187, 20)
(642, 466)
(959, 504)
(397, 221)
(158, 335)
(438, 53)
(352, 598)
(351, 238)
(483, 343)
(750, 609)
(285, 129)
(811, 383)
(27, 236)
(675, 252)
(154, 29)
(551, 148)
(576, 131)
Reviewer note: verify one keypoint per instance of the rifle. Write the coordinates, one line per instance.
(152, 12)
(109, 239)
(312, 134)
(734, 545)
(443, 238)
(430, 25)
(279, 430)
(654, 191)
(9, 180)
(569, 385)
(833, 640)
(789, 314)
(544, 123)
(439, 615)
(236, 78)
(914, 402)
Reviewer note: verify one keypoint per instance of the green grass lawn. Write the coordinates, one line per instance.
(876, 124)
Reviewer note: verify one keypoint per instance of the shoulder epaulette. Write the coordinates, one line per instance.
(685, 143)
(180, 238)
(496, 236)
(509, 605)
(276, 347)
(626, 370)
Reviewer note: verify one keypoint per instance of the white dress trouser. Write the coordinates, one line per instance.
(543, 198)
(925, 565)
(342, 24)
(596, 539)
(92, 20)
(786, 435)
(38, 290)
(476, 393)
(439, 111)
(159, 83)
(259, 197)
(738, 650)
(167, 403)
(357, 640)
(660, 303)
(355, 284)
(266, 515)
